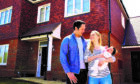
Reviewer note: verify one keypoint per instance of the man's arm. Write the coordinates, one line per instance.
(64, 60)
(63, 55)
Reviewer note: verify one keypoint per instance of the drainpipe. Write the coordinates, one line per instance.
(109, 33)
(45, 71)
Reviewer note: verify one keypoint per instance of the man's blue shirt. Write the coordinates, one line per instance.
(69, 54)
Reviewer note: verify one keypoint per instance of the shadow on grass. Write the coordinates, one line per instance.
(14, 81)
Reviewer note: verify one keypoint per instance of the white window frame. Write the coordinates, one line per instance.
(4, 10)
(81, 11)
(122, 20)
(3, 55)
(39, 8)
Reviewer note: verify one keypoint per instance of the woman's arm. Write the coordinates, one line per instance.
(94, 57)
(107, 60)
(88, 57)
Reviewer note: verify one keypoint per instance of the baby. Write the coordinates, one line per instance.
(108, 52)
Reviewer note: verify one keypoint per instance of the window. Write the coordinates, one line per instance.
(5, 15)
(122, 20)
(75, 7)
(3, 54)
(43, 13)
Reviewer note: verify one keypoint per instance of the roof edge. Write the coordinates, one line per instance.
(121, 5)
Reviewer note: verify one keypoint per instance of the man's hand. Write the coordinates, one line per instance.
(72, 77)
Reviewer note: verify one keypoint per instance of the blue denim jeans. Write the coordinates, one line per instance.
(106, 80)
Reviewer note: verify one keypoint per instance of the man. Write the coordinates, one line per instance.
(72, 55)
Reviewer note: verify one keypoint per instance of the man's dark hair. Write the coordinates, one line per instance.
(114, 51)
(78, 24)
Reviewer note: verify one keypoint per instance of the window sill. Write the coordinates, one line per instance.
(76, 14)
(42, 22)
(3, 64)
(4, 24)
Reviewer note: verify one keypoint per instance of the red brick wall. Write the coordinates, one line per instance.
(10, 31)
(28, 17)
(116, 25)
(8, 70)
(96, 19)
(27, 57)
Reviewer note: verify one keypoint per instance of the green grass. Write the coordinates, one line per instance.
(14, 81)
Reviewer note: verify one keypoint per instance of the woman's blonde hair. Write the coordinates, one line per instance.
(91, 44)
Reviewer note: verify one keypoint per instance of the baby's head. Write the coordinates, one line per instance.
(111, 50)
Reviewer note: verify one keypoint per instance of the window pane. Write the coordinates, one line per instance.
(2, 18)
(6, 16)
(70, 7)
(5, 54)
(77, 6)
(1, 53)
(44, 43)
(10, 15)
(86, 7)
(42, 14)
(47, 13)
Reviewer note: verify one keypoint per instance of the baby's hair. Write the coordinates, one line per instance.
(114, 51)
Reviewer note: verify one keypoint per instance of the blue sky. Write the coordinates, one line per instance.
(132, 7)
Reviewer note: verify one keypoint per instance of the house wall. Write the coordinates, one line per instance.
(8, 70)
(117, 32)
(26, 62)
(116, 21)
(9, 35)
(11, 30)
(28, 18)
(96, 19)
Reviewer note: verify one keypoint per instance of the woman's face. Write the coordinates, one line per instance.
(94, 36)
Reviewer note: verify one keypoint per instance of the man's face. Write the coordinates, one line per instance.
(81, 30)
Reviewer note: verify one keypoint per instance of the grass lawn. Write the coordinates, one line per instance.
(14, 81)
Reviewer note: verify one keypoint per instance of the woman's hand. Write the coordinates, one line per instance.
(101, 55)
(101, 62)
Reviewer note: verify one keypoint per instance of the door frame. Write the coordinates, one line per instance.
(38, 71)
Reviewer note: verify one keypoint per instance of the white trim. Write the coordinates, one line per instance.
(50, 53)
(122, 20)
(57, 32)
(73, 14)
(34, 37)
(38, 70)
(36, 1)
(126, 47)
(39, 9)
(11, 7)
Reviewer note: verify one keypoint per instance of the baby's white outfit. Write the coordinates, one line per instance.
(95, 66)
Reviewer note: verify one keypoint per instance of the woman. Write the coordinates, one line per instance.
(93, 52)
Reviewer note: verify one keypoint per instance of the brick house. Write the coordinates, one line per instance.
(31, 32)
(131, 50)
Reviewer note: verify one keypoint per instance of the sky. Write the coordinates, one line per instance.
(132, 7)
